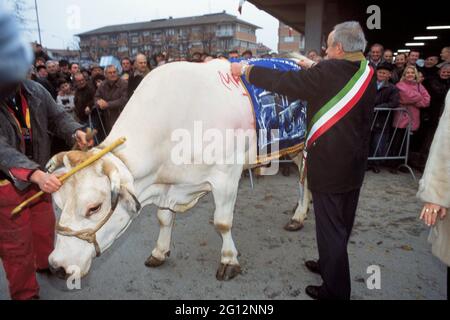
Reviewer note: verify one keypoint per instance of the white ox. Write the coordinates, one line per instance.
(99, 202)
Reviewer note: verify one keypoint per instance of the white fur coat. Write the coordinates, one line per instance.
(434, 187)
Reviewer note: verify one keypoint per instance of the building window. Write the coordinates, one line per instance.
(245, 29)
(135, 40)
(170, 32)
(146, 33)
(288, 39)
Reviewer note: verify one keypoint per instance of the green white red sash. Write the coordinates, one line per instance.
(341, 104)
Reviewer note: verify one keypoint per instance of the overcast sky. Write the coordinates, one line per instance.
(59, 20)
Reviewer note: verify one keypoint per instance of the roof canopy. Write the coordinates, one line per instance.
(400, 21)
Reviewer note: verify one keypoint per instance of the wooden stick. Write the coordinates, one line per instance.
(66, 176)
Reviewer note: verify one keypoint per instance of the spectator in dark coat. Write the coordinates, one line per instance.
(376, 55)
(42, 79)
(127, 68)
(437, 87)
(400, 64)
(111, 97)
(64, 69)
(141, 70)
(54, 76)
(39, 52)
(430, 69)
(84, 97)
(387, 98)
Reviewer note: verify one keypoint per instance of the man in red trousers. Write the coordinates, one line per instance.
(27, 114)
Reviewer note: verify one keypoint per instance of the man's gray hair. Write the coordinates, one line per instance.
(110, 66)
(350, 35)
(50, 62)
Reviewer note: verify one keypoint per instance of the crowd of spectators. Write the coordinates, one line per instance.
(417, 85)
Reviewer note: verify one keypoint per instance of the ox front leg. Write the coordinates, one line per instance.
(166, 219)
(225, 199)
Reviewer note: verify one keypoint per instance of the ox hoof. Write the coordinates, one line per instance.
(152, 262)
(293, 225)
(227, 272)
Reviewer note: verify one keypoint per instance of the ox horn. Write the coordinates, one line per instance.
(57, 161)
(110, 170)
(71, 158)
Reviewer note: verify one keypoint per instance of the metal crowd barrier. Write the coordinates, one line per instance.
(391, 149)
(394, 148)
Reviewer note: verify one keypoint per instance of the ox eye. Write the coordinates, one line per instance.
(94, 210)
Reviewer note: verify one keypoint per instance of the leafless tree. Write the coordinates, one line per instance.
(208, 37)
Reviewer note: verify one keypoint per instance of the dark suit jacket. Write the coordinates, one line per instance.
(337, 160)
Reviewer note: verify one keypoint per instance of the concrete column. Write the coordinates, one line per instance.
(313, 24)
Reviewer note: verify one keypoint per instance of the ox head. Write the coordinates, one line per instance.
(97, 204)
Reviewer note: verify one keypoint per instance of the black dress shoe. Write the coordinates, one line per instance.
(375, 169)
(313, 266)
(313, 292)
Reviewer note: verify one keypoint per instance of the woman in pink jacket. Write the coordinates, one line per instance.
(413, 97)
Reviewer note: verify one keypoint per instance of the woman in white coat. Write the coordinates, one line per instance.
(434, 190)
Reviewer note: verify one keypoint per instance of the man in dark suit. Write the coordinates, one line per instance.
(340, 93)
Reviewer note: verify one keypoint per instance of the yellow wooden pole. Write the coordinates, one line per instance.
(66, 176)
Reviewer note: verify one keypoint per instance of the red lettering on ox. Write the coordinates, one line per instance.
(227, 79)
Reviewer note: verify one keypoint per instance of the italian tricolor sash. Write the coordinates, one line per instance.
(341, 104)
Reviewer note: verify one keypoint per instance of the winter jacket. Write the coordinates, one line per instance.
(84, 98)
(47, 118)
(387, 97)
(117, 97)
(413, 97)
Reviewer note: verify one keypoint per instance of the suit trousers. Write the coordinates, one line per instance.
(335, 215)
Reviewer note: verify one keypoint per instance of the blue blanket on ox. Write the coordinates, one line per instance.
(280, 120)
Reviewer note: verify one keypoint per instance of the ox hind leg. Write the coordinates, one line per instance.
(296, 223)
(166, 219)
(225, 193)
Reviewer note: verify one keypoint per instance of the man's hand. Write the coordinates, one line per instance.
(87, 111)
(430, 212)
(236, 69)
(305, 63)
(82, 140)
(102, 104)
(49, 183)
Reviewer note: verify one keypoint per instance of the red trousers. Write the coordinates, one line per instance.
(26, 240)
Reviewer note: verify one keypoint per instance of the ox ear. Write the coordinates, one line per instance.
(130, 201)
